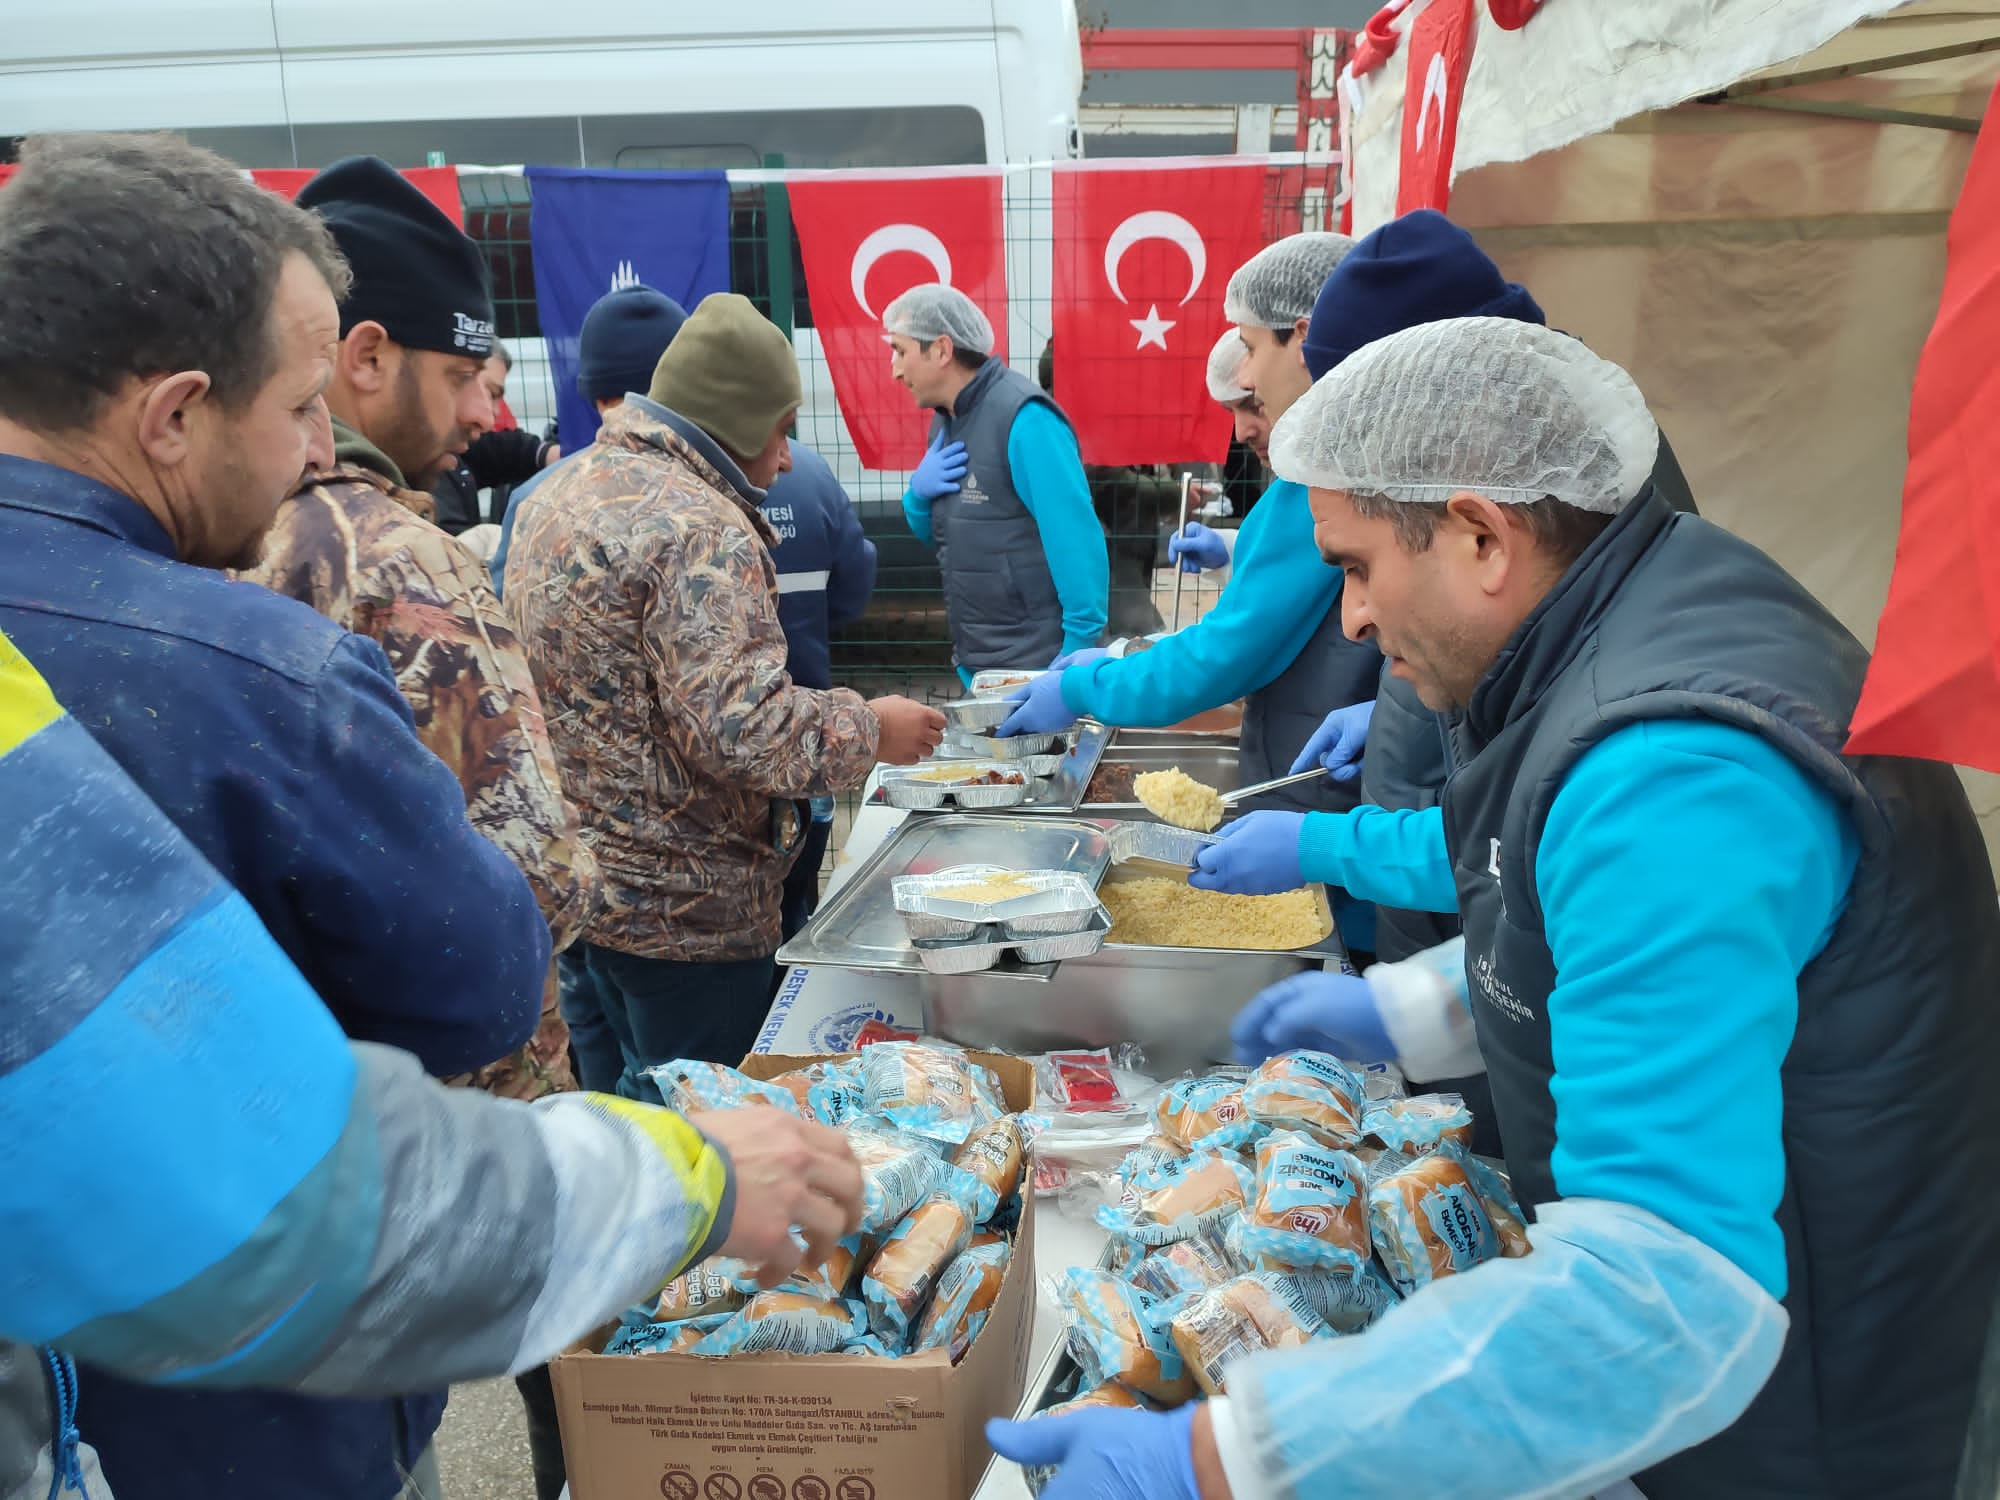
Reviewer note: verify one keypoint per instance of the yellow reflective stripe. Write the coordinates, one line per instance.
(26, 705)
(697, 1164)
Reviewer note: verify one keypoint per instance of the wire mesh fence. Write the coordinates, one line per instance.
(901, 643)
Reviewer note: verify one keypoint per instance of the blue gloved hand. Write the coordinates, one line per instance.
(1106, 1455)
(1258, 856)
(1339, 742)
(938, 475)
(1082, 656)
(1041, 711)
(1318, 1012)
(1197, 547)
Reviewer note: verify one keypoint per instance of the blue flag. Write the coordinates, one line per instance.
(594, 232)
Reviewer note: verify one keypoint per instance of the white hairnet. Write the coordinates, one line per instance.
(935, 310)
(1279, 284)
(1510, 410)
(1225, 364)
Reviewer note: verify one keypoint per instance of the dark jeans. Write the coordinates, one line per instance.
(662, 1009)
(802, 885)
(544, 1433)
(593, 1045)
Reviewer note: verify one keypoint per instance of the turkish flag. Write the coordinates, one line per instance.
(1433, 87)
(864, 242)
(439, 184)
(1141, 259)
(1933, 688)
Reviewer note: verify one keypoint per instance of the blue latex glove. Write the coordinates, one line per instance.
(1338, 742)
(1258, 856)
(1041, 711)
(1106, 1455)
(938, 475)
(1197, 547)
(1080, 657)
(1317, 1012)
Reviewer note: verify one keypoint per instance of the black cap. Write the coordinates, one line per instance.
(415, 272)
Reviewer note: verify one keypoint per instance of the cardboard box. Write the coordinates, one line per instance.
(803, 1427)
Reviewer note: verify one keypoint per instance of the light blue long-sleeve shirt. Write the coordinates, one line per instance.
(1047, 470)
(1278, 593)
(1687, 872)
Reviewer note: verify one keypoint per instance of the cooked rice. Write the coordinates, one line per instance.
(1154, 911)
(1175, 797)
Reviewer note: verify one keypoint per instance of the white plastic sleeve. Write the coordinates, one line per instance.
(1427, 1012)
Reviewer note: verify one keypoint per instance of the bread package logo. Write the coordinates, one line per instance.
(1460, 1222)
(1309, 1221)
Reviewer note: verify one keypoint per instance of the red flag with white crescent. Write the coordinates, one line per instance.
(1142, 256)
(439, 184)
(865, 241)
(1440, 54)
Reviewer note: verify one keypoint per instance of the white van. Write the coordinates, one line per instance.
(667, 83)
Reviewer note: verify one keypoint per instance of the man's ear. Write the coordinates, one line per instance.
(1485, 530)
(1299, 327)
(167, 412)
(367, 358)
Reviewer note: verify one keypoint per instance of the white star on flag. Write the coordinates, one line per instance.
(1152, 328)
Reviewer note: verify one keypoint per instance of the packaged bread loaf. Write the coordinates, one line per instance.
(1310, 1091)
(897, 1171)
(1194, 1264)
(935, 1092)
(1112, 1337)
(699, 1292)
(837, 1096)
(1311, 1208)
(899, 1280)
(1428, 1220)
(1111, 1397)
(1253, 1312)
(993, 1155)
(836, 1275)
(1172, 1202)
(965, 1295)
(1497, 1195)
(1419, 1124)
(688, 1086)
(1205, 1111)
(786, 1322)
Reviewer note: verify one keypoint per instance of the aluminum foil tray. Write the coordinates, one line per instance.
(909, 788)
(976, 715)
(998, 682)
(1016, 747)
(1157, 844)
(989, 942)
(1052, 950)
(1055, 892)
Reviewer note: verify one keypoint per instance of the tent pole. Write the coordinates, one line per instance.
(1872, 113)
(1736, 91)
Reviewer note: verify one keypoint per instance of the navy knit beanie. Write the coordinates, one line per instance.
(623, 336)
(1421, 268)
(415, 272)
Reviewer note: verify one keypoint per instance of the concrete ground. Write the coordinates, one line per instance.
(483, 1445)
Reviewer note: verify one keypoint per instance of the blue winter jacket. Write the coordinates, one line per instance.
(278, 744)
(826, 567)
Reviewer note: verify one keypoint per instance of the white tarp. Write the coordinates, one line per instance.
(1767, 276)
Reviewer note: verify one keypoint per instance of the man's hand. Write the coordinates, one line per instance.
(1339, 742)
(1256, 855)
(1197, 547)
(910, 730)
(793, 1177)
(1321, 1012)
(1106, 1455)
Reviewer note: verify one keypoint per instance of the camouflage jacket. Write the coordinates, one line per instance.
(642, 581)
(356, 545)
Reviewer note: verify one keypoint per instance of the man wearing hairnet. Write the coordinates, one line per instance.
(1274, 636)
(1001, 493)
(1732, 988)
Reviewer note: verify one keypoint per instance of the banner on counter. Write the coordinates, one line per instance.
(863, 242)
(595, 232)
(1142, 256)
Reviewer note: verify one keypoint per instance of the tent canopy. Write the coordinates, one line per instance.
(1744, 203)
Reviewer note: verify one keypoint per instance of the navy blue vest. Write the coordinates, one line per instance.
(1000, 602)
(1329, 672)
(1892, 1115)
